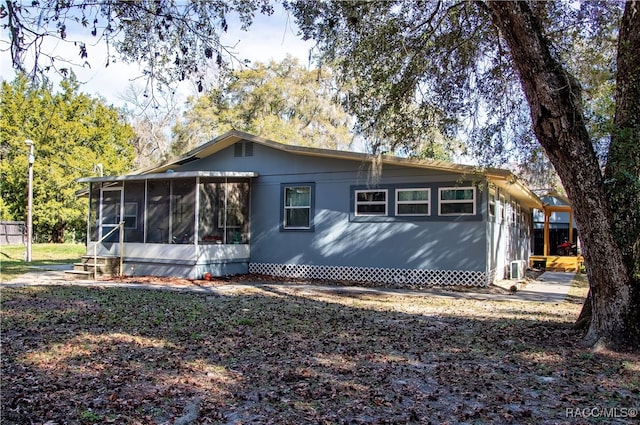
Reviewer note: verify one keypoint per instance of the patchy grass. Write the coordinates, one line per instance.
(12, 262)
(290, 355)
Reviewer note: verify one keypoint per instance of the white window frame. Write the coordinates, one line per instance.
(385, 202)
(514, 211)
(290, 207)
(420, 202)
(456, 201)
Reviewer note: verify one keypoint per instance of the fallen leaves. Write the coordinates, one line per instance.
(289, 356)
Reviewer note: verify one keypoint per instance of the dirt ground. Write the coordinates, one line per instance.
(278, 354)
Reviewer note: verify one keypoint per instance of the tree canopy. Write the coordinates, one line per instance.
(279, 100)
(444, 65)
(74, 135)
(172, 40)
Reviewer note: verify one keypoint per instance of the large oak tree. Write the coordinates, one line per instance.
(607, 206)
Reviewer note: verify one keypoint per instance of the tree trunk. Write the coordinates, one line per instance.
(622, 174)
(57, 233)
(553, 96)
(584, 318)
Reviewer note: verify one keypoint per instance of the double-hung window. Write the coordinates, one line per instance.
(297, 207)
(457, 201)
(413, 201)
(371, 202)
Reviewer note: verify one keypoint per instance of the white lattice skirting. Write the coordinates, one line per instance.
(385, 276)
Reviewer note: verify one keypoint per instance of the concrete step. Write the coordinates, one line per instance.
(104, 266)
(79, 274)
(99, 259)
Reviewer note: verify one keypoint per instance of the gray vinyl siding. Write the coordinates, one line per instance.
(338, 237)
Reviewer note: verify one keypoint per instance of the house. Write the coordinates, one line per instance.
(242, 203)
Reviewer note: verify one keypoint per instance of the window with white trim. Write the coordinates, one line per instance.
(413, 201)
(371, 202)
(297, 207)
(502, 208)
(457, 201)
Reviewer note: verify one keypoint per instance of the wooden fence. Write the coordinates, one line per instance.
(13, 232)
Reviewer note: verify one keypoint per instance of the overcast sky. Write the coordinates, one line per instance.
(270, 37)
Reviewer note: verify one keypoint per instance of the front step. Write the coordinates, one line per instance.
(99, 266)
(78, 275)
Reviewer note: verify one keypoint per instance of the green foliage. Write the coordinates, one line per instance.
(411, 72)
(282, 101)
(442, 67)
(72, 133)
(90, 417)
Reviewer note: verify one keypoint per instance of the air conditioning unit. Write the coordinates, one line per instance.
(518, 269)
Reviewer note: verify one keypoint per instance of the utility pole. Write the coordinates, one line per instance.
(29, 143)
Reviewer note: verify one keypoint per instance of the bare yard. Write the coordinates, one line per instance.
(289, 355)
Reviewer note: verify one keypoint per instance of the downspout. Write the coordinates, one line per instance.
(170, 212)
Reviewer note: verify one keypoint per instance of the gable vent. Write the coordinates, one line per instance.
(248, 148)
(237, 149)
(243, 149)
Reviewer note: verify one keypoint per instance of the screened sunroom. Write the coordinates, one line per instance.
(174, 223)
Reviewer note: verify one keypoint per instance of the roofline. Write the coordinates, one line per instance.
(168, 175)
(232, 136)
(500, 177)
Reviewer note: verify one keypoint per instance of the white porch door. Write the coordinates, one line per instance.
(111, 212)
